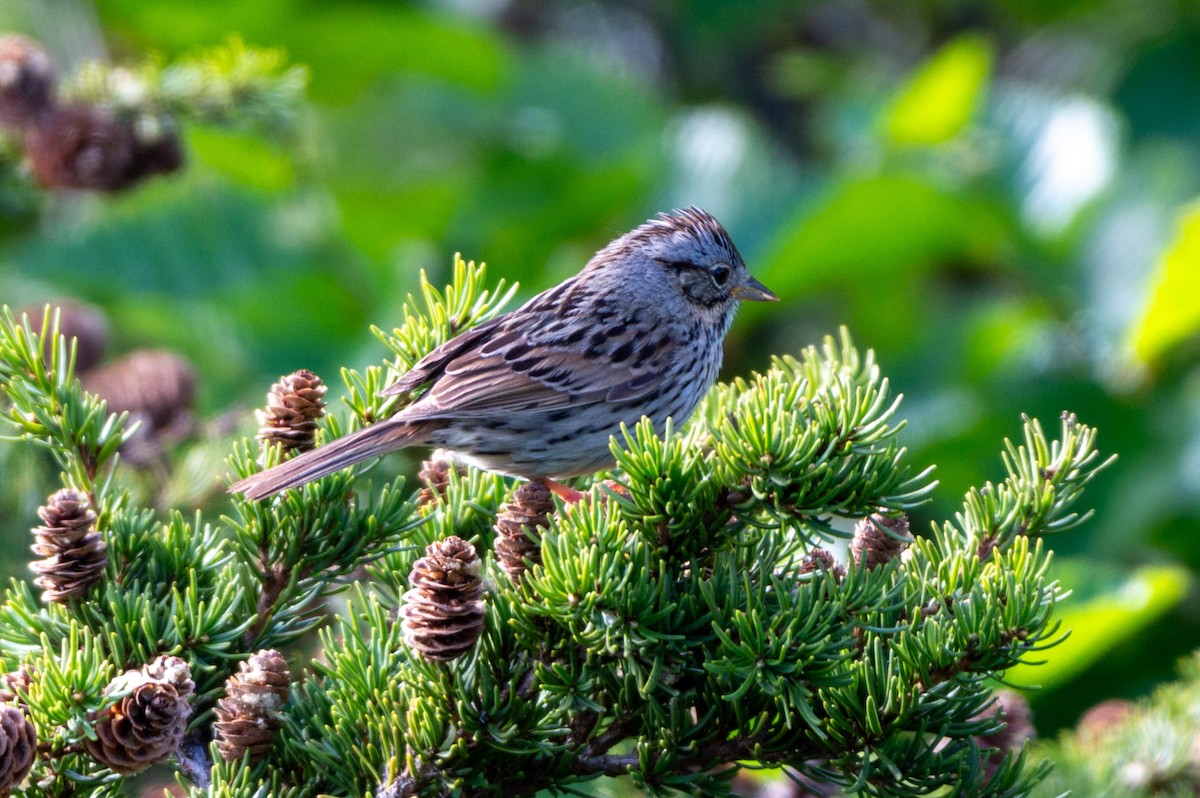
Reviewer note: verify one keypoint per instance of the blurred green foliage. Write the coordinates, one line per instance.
(995, 195)
(1133, 749)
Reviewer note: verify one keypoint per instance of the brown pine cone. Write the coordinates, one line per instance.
(821, 560)
(443, 612)
(75, 554)
(174, 671)
(13, 684)
(147, 723)
(435, 476)
(158, 389)
(252, 709)
(1104, 719)
(1013, 709)
(157, 154)
(85, 323)
(80, 147)
(18, 747)
(27, 78)
(293, 406)
(519, 527)
(878, 539)
(154, 385)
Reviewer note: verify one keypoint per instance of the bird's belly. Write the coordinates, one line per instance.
(532, 446)
(557, 443)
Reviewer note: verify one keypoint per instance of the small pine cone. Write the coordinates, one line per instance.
(821, 560)
(443, 610)
(148, 722)
(435, 476)
(80, 147)
(156, 153)
(173, 671)
(154, 385)
(1102, 720)
(252, 709)
(13, 685)
(293, 406)
(1013, 709)
(878, 539)
(18, 747)
(519, 527)
(75, 554)
(85, 323)
(27, 78)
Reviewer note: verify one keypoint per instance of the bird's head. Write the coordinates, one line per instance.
(694, 252)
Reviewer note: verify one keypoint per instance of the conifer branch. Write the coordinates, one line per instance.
(680, 621)
(106, 128)
(47, 405)
(228, 84)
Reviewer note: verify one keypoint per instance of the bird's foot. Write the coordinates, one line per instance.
(614, 487)
(568, 494)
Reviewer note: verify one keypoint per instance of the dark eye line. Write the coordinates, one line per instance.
(719, 274)
(677, 265)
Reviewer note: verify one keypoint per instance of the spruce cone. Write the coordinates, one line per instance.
(75, 553)
(252, 709)
(159, 153)
(435, 476)
(27, 78)
(443, 612)
(85, 323)
(821, 560)
(878, 539)
(1013, 709)
(173, 671)
(81, 147)
(519, 526)
(148, 722)
(293, 406)
(154, 385)
(13, 684)
(1102, 720)
(18, 747)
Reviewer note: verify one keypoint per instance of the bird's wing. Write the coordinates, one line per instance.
(430, 367)
(554, 352)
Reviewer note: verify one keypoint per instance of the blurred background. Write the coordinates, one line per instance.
(997, 196)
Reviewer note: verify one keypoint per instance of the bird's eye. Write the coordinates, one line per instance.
(720, 275)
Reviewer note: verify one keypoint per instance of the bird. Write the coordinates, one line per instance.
(538, 392)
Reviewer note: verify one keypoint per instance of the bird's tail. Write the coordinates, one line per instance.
(363, 444)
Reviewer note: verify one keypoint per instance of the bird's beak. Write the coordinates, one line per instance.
(754, 291)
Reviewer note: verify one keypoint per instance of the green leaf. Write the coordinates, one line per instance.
(1173, 313)
(940, 99)
(1102, 623)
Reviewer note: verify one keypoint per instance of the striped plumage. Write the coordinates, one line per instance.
(538, 391)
